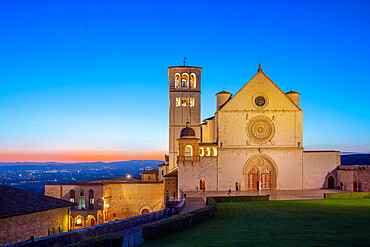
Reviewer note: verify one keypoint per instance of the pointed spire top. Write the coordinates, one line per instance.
(259, 67)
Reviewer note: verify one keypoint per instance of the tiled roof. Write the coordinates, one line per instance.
(172, 174)
(152, 171)
(162, 164)
(17, 202)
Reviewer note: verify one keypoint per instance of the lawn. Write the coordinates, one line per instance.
(331, 222)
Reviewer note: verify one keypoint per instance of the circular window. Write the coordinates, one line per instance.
(260, 129)
(260, 101)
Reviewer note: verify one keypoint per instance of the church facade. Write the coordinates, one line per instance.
(254, 141)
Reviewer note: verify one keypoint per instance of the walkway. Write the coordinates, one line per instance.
(274, 194)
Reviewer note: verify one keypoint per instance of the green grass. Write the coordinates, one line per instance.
(343, 222)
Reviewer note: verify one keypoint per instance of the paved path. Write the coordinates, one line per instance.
(274, 194)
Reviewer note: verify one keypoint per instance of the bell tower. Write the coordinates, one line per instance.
(184, 97)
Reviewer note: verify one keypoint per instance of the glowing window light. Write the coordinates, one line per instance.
(201, 152)
(79, 222)
(185, 102)
(208, 151)
(192, 102)
(178, 101)
(214, 151)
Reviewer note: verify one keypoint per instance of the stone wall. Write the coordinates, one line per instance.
(191, 173)
(317, 166)
(20, 228)
(130, 199)
(349, 176)
(123, 227)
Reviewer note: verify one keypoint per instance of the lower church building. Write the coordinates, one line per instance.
(254, 141)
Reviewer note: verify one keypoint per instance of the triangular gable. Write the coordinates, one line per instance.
(260, 83)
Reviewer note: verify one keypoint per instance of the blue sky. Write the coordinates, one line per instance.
(91, 76)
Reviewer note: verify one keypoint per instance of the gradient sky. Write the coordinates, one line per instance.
(87, 80)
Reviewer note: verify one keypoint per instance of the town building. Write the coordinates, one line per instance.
(254, 141)
(107, 200)
(354, 178)
(24, 213)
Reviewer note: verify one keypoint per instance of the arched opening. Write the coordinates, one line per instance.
(202, 184)
(193, 80)
(72, 196)
(177, 80)
(201, 152)
(81, 199)
(252, 179)
(90, 221)
(260, 172)
(91, 199)
(79, 222)
(265, 179)
(188, 150)
(185, 80)
(208, 151)
(331, 182)
(145, 211)
(71, 226)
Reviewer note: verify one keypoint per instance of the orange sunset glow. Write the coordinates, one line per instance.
(78, 156)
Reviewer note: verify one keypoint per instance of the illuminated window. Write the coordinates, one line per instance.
(81, 199)
(79, 222)
(185, 80)
(91, 199)
(185, 102)
(72, 196)
(178, 101)
(208, 151)
(193, 81)
(188, 150)
(201, 152)
(192, 102)
(177, 80)
(214, 151)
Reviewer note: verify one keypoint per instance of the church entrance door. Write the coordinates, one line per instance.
(330, 182)
(265, 179)
(252, 179)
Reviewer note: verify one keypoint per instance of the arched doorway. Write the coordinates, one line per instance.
(145, 211)
(79, 222)
(202, 184)
(265, 179)
(252, 179)
(331, 182)
(260, 172)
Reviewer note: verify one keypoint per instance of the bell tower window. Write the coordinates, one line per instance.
(185, 80)
(177, 80)
(185, 102)
(193, 80)
(191, 102)
(178, 101)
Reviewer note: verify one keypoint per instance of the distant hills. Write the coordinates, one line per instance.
(127, 165)
(346, 159)
(355, 159)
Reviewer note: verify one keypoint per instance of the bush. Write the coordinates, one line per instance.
(347, 195)
(179, 222)
(241, 198)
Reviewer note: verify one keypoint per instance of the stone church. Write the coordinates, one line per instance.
(254, 141)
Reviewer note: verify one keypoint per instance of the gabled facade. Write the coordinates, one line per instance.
(254, 141)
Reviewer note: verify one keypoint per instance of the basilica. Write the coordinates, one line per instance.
(254, 141)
